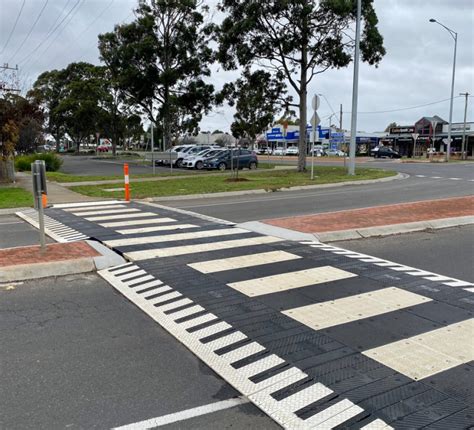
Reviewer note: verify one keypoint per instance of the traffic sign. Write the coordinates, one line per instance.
(315, 120)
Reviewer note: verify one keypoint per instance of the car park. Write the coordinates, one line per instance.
(292, 150)
(241, 158)
(385, 152)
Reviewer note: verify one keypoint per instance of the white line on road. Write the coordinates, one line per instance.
(184, 415)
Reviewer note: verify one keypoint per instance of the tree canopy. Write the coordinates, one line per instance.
(297, 39)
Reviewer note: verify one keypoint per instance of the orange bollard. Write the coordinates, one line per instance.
(127, 182)
(44, 199)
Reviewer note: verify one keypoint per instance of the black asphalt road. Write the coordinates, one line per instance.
(77, 355)
(452, 180)
(16, 232)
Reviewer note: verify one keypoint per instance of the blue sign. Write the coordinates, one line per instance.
(337, 137)
(334, 146)
(276, 130)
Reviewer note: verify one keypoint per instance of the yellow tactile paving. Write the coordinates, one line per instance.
(288, 281)
(352, 308)
(249, 260)
(429, 353)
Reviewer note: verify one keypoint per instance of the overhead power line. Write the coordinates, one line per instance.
(31, 30)
(14, 27)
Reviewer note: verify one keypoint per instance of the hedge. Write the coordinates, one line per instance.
(53, 162)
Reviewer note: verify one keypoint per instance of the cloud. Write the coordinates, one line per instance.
(416, 70)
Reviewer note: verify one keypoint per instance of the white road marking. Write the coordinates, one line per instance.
(291, 280)
(124, 216)
(242, 352)
(261, 365)
(456, 179)
(420, 176)
(248, 260)
(334, 415)
(184, 415)
(85, 204)
(204, 247)
(174, 237)
(428, 353)
(304, 397)
(156, 228)
(377, 424)
(93, 208)
(137, 222)
(353, 308)
(104, 212)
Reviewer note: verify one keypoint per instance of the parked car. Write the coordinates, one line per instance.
(197, 161)
(292, 150)
(385, 151)
(242, 158)
(335, 153)
(279, 151)
(264, 151)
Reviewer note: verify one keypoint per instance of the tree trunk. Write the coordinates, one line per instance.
(7, 170)
(303, 111)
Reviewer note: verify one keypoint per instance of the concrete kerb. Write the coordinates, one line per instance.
(270, 230)
(261, 191)
(12, 211)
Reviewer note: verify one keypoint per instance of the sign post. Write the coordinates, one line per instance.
(315, 120)
(38, 172)
(415, 137)
(152, 148)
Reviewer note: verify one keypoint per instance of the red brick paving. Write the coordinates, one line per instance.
(378, 215)
(54, 252)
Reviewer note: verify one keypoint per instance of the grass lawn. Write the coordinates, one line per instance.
(270, 180)
(66, 177)
(11, 197)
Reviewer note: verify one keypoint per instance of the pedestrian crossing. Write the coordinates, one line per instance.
(241, 302)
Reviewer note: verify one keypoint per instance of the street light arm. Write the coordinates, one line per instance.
(453, 34)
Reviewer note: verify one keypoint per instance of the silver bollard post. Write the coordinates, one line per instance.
(38, 171)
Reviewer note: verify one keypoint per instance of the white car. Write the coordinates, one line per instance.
(279, 151)
(292, 150)
(336, 153)
(197, 161)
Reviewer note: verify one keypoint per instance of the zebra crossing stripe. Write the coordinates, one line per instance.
(377, 424)
(104, 212)
(86, 204)
(204, 247)
(248, 260)
(174, 237)
(291, 280)
(429, 353)
(136, 222)
(282, 411)
(334, 415)
(93, 208)
(156, 228)
(122, 216)
(353, 308)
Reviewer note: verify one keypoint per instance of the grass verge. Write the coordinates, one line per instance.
(11, 197)
(271, 181)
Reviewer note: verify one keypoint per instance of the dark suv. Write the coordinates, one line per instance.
(241, 158)
(385, 151)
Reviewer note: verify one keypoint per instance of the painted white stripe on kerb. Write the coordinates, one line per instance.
(174, 305)
(205, 247)
(242, 352)
(224, 341)
(124, 216)
(334, 415)
(248, 260)
(85, 204)
(290, 280)
(305, 397)
(378, 424)
(213, 329)
(174, 237)
(196, 321)
(156, 228)
(104, 212)
(184, 415)
(125, 270)
(261, 365)
(136, 222)
(186, 312)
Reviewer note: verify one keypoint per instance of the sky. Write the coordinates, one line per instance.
(50, 34)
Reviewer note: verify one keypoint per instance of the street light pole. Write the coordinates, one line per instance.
(454, 35)
(355, 90)
(463, 147)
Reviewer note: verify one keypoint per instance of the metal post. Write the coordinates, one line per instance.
(355, 88)
(448, 153)
(313, 138)
(340, 118)
(39, 182)
(463, 145)
(152, 148)
(435, 123)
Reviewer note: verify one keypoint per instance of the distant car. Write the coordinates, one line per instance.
(197, 161)
(279, 151)
(104, 148)
(242, 158)
(292, 150)
(335, 153)
(385, 152)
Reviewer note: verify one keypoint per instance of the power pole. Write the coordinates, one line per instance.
(9, 79)
(463, 147)
(340, 117)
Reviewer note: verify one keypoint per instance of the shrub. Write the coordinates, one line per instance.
(53, 162)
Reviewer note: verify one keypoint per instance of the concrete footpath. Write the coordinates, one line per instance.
(378, 220)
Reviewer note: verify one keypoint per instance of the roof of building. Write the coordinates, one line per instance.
(432, 119)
